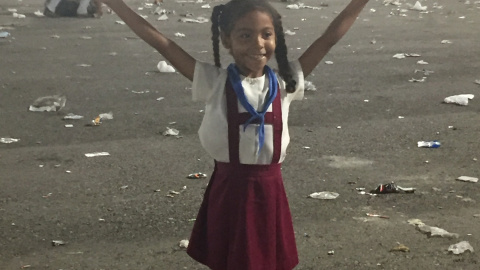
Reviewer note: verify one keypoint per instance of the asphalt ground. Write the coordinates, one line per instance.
(359, 129)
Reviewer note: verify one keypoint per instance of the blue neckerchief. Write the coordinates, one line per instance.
(234, 77)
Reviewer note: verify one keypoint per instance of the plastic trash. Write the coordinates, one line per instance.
(435, 231)
(418, 7)
(171, 132)
(197, 175)
(429, 144)
(309, 86)
(460, 247)
(183, 243)
(391, 188)
(4, 34)
(467, 179)
(97, 154)
(324, 195)
(8, 140)
(400, 247)
(178, 34)
(56, 243)
(71, 116)
(197, 20)
(48, 104)
(164, 67)
(459, 99)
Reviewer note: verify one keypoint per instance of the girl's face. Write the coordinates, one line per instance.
(252, 42)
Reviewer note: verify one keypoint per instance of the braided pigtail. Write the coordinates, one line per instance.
(281, 52)
(217, 11)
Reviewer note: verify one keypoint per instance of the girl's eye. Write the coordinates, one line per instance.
(268, 34)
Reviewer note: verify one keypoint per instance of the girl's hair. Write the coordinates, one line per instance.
(223, 21)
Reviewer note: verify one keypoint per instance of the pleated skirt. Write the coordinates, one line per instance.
(244, 222)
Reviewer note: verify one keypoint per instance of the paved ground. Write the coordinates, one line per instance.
(106, 209)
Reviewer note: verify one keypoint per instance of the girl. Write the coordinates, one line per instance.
(244, 222)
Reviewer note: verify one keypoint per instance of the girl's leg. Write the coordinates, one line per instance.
(52, 5)
(82, 8)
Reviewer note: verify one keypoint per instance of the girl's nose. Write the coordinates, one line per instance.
(259, 41)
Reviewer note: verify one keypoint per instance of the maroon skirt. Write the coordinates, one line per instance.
(244, 222)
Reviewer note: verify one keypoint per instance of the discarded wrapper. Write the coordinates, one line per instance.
(400, 247)
(171, 132)
(460, 247)
(324, 195)
(430, 144)
(48, 104)
(391, 188)
(183, 243)
(97, 154)
(164, 67)
(8, 140)
(196, 175)
(71, 116)
(431, 231)
(459, 99)
(58, 243)
(467, 179)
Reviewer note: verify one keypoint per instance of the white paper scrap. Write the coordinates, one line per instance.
(97, 154)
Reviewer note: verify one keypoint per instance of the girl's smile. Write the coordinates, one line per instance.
(252, 42)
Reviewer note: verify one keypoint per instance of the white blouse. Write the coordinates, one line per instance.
(209, 86)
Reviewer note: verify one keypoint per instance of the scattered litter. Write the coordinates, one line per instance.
(84, 65)
(289, 33)
(459, 99)
(401, 117)
(477, 81)
(197, 175)
(68, 125)
(4, 34)
(206, 6)
(183, 243)
(391, 188)
(331, 252)
(97, 154)
(376, 215)
(404, 55)
(162, 17)
(424, 71)
(301, 5)
(418, 7)
(446, 41)
(197, 20)
(415, 222)
(422, 62)
(329, 62)
(120, 22)
(418, 80)
(179, 34)
(48, 104)
(164, 67)
(400, 247)
(18, 15)
(55, 36)
(435, 231)
(86, 37)
(429, 144)
(71, 116)
(171, 132)
(324, 195)
(8, 140)
(38, 13)
(58, 243)
(309, 86)
(467, 179)
(141, 92)
(460, 247)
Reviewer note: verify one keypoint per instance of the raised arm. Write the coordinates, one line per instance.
(180, 59)
(335, 31)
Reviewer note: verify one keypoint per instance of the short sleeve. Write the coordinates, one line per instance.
(205, 78)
